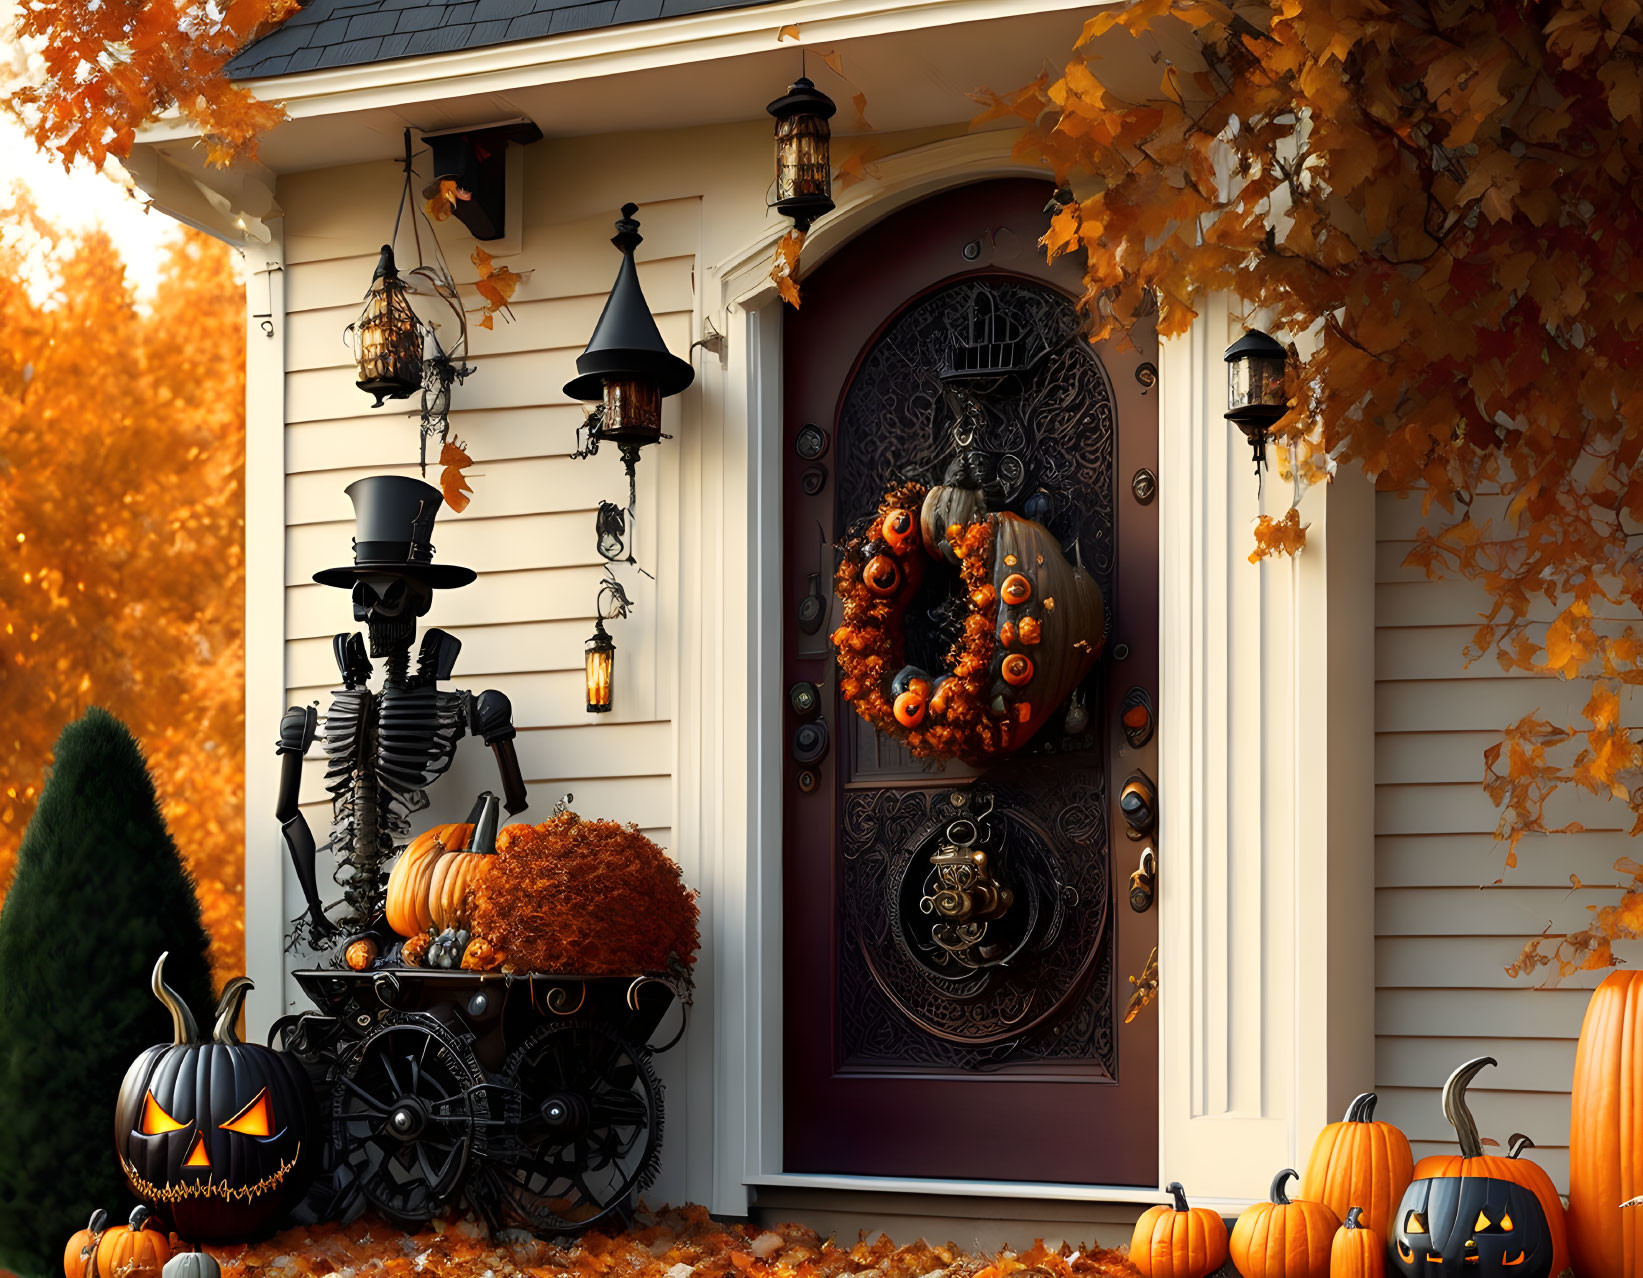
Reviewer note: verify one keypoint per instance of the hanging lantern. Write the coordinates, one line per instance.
(611, 603)
(627, 367)
(804, 168)
(388, 336)
(1256, 395)
(601, 668)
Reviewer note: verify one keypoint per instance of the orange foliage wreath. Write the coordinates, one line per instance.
(871, 642)
(594, 898)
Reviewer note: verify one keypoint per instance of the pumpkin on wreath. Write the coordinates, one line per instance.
(1032, 628)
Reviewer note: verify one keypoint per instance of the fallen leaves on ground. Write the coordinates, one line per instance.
(682, 1242)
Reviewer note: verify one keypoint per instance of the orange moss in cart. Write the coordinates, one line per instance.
(591, 897)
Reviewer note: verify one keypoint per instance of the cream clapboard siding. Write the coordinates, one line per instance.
(1449, 915)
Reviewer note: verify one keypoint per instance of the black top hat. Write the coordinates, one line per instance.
(393, 532)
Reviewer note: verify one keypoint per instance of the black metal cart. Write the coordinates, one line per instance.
(530, 1096)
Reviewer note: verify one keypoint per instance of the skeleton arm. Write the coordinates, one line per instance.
(490, 715)
(297, 729)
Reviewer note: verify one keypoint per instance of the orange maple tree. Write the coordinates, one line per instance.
(121, 534)
(103, 71)
(1439, 201)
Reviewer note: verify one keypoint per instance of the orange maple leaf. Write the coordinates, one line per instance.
(453, 481)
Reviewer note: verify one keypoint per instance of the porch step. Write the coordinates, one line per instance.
(976, 1224)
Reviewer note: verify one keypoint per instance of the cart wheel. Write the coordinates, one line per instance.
(408, 1111)
(586, 1108)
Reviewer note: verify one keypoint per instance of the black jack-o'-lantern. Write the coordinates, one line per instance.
(212, 1134)
(1470, 1227)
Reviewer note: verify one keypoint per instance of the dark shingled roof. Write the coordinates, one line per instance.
(347, 33)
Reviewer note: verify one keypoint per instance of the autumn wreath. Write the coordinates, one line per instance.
(1031, 629)
(594, 898)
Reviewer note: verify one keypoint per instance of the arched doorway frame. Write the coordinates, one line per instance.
(1266, 766)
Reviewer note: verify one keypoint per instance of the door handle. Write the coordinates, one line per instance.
(1144, 882)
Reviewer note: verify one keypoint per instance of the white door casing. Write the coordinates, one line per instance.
(1266, 765)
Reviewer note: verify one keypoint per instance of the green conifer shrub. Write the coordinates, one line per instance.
(99, 893)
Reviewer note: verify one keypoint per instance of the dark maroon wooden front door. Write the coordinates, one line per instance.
(1013, 1063)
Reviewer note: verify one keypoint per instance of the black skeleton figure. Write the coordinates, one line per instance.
(385, 748)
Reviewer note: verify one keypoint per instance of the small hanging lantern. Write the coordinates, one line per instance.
(626, 367)
(1256, 395)
(601, 662)
(804, 168)
(611, 603)
(388, 336)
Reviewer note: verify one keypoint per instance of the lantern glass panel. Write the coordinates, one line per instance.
(803, 167)
(633, 411)
(1256, 381)
(389, 342)
(601, 672)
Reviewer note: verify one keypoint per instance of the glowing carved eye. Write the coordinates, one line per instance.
(1414, 1223)
(256, 1119)
(156, 1120)
(1483, 1222)
(1506, 1222)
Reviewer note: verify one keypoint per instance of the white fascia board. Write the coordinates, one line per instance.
(609, 51)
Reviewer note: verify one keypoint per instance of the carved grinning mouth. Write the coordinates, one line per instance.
(209, 1187)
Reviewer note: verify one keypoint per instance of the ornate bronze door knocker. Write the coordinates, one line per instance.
(964, 896)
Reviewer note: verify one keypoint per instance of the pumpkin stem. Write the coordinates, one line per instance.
(1279, 1197)
(1175, 1191)
(484, 839)
(1455, 1108)
(1354, 1218)
(1362, 1108)
(183, 1028)
(98, 1221)
(140, 1218)
(478, 809)
(228, 1010)
(1516, 1143)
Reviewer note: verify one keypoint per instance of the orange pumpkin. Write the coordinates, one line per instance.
(137, 1247)
(454, 874)
(1178, 1241)
(412, 876)
(1358, 1251)
(1606, 1133)
(81, 1244)
(1284, 1239)
(1472, 1161)
(1359, 1162)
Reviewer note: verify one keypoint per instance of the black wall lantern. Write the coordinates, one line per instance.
(1256, 394)
(804, 166)
(627, 366)
(388, 336)
(611, 603)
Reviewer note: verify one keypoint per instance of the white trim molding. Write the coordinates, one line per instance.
(265, 358)
(1266, 791)
(605, 51)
